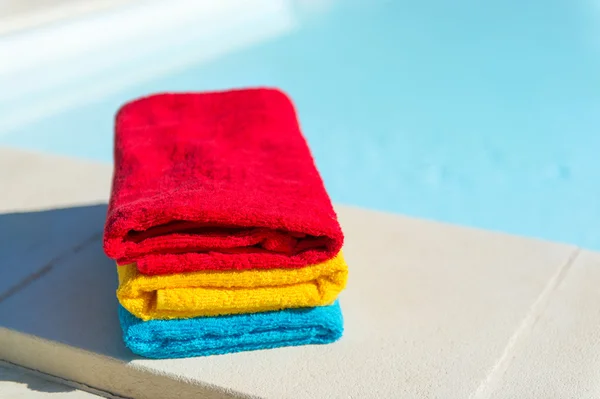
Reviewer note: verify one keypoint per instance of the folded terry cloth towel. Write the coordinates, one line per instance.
(203, 336)
(212, 293)
(219, 180)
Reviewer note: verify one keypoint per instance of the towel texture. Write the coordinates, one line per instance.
(220, 180)
(212, 293)
(205, 336)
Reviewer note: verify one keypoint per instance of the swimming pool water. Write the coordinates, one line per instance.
(484, 114)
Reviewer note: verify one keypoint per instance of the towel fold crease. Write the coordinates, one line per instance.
(224, 236)
(212, 293)
(216, 181)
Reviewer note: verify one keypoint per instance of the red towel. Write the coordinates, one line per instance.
(219, 180)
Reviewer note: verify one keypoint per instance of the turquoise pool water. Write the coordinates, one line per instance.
(484, 114)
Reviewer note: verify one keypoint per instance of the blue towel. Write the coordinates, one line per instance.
(203, 336)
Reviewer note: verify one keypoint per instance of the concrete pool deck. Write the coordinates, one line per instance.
(432, 310)
(16, 382)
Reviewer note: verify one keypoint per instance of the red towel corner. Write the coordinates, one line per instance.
(218, 180)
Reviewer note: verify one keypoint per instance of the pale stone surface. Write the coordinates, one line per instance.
(41, 218)
(19, 384)
(34, 181)
(428, 310)
(432, 310)
(560, 358)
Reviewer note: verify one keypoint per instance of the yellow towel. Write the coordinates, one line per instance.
(212, 293)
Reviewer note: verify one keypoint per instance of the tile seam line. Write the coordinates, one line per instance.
(59, 380)
(490, 382)
(65, 255)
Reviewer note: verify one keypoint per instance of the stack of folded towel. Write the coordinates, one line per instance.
(223, 233)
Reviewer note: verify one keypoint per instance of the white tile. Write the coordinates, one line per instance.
(560, 356)
(429, 309)
(48, 207)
